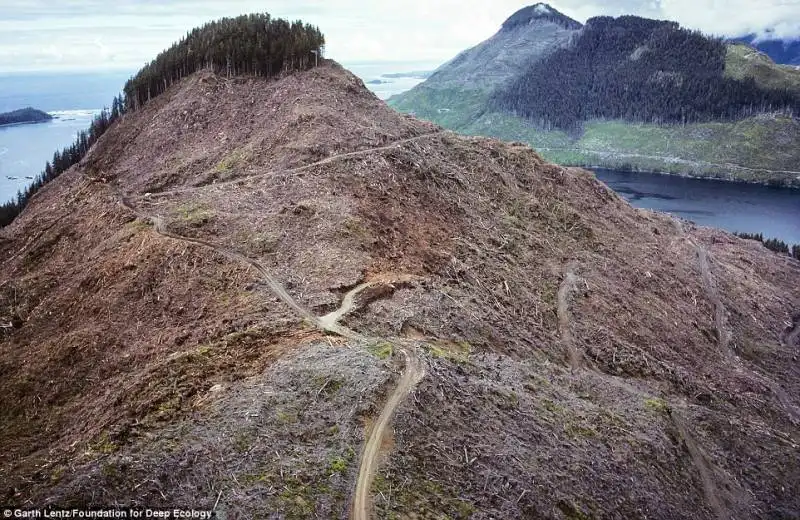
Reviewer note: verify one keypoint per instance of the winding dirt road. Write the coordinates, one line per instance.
(412, 375)
(710, 286)
(700, 462)
(274, 286)
(792, 339)
(298, 169)
(720, 314)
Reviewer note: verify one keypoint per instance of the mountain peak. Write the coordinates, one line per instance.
(540, 11)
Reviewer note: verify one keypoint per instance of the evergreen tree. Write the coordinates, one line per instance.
(247, 45)
(252, 44)
(639, 70)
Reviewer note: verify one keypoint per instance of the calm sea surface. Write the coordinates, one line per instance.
(726, 205)
(24, 149)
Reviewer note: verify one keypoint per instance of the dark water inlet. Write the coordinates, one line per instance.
(750, 208)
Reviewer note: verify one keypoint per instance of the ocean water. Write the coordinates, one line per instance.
(73, 99)
(749, 208)
(58, 92)
(372, 73)
(24, 149)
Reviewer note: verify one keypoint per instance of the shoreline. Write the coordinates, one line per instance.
(27, 123)
(791, 186)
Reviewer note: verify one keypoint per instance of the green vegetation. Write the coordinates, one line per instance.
(773, 244)
(103, 445)
(194, 215)
(232, 161)
(657, 405)
(425, 498)
(337, 465)
(742, 61)
(638, 69)
(57, 474)
(327, 385)
(286, 417)
(243, 440)
(381, 349)
(62, 161)
(451, 108)
(455, 351)
(254, 44)
(755, 149)
(729, 115)
(24, 115)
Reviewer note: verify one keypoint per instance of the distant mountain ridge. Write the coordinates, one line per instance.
(786, 52)
(639, 70)
(539, 11)
(529, 34)
(624, 93)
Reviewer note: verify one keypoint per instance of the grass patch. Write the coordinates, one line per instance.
(232, 161)
(264, 243)
(742, 62)
(243, 441)
(103, 445)
(455, 351)
(134, 226)
(194, 215)
(424, 498)
(551, 406)
(381, 349)
(57, 474)
(327, 385)
(657, 405)
(284, 417)
(577, 431)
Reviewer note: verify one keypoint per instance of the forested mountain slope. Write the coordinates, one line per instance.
(634, 93)
(638, 70)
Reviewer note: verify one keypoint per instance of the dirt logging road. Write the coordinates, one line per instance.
(412, 375)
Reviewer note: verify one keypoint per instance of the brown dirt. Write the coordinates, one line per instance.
(412, 375)
(702, 465)
(565, 290)
(143, 369)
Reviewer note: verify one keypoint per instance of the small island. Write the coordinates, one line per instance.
(24, 116)
(417, 74)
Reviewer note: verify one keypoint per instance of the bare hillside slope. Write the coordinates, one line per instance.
(280, 296)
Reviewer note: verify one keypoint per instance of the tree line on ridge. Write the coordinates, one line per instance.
(254, 44)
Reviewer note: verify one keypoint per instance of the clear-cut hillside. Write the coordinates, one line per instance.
(284, 298)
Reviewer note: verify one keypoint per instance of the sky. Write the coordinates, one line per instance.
(98, 35)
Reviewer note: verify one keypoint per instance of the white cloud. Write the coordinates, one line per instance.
(717, 17)
(96, 34)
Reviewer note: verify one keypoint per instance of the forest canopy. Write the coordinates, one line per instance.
(24, 115)
(254, 44)
(639, 70)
